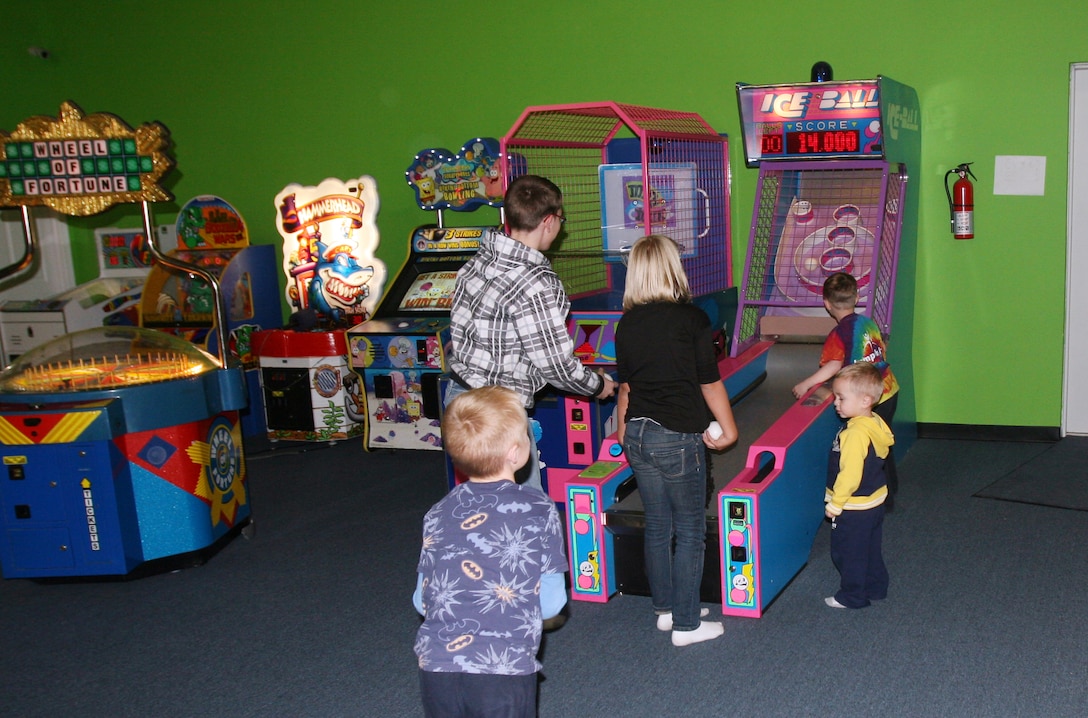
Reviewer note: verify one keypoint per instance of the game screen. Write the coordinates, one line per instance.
(429, 291)
(594, 335)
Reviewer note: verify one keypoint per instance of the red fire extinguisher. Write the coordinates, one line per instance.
(961, 202)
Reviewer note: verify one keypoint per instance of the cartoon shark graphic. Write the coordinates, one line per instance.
(339, 286)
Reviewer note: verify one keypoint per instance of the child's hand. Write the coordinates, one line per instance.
(717, 442)
(800, 389)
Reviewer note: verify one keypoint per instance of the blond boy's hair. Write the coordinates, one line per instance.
(655, 273)
(864, 378)
(480, 426)
(841, 290)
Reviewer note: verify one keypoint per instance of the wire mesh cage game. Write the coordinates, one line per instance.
(625, 172)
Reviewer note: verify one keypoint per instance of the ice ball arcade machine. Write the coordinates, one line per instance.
(333, 282)
(121, 446)
(834, 161)
(399, 354)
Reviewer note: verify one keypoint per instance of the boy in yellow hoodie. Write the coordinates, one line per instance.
(857, 487)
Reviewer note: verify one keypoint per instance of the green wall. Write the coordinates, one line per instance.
(258, 94)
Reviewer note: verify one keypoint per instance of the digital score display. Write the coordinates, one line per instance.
(823, 142)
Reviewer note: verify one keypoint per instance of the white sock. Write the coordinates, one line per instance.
(705, 632)
(664, 621)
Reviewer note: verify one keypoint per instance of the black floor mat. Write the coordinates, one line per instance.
(1057, 476)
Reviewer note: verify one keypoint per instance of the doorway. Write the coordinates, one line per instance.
(1075, 383)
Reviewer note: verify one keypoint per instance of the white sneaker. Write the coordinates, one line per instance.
(664, 621)
(830, 601)
(706, 631)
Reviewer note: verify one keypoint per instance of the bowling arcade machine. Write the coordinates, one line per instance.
(398, 356)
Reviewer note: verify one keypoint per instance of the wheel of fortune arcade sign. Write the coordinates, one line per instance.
(80, 164)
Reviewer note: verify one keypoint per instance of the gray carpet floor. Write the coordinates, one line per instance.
(311, 617)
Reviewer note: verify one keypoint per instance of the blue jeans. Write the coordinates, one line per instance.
(670, 469)
(529, 475)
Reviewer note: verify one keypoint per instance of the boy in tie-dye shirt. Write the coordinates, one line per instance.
(855, 338)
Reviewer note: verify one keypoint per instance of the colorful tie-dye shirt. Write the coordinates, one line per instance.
(857, 338)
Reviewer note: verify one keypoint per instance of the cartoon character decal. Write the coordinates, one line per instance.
(460, 182)
(400, 352)
(199, 298)
(339, 284)
(589, 572)
(189, 224)
(354, 404)
(434, 353)
(743, 587)
(330, 236)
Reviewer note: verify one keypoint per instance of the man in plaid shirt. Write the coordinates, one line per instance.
(509, 314)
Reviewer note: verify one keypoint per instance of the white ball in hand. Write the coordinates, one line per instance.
(714, 430)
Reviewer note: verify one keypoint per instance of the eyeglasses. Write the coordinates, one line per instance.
(562, 219)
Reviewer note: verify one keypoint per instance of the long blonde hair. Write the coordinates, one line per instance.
(654, 273)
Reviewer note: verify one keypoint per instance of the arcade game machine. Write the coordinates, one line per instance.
(111, 299)
(398, 355)
(212, 234)
(122, 445)
(834, 159)
(625, 171)
(333, 282)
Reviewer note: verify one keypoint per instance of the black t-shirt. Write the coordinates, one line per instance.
(665, 351)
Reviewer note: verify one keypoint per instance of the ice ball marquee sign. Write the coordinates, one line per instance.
(81, 164)
(823, 120)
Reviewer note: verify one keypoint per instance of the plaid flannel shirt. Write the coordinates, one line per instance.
(509, 323)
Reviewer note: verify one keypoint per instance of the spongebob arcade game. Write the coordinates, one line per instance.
(399, 355)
